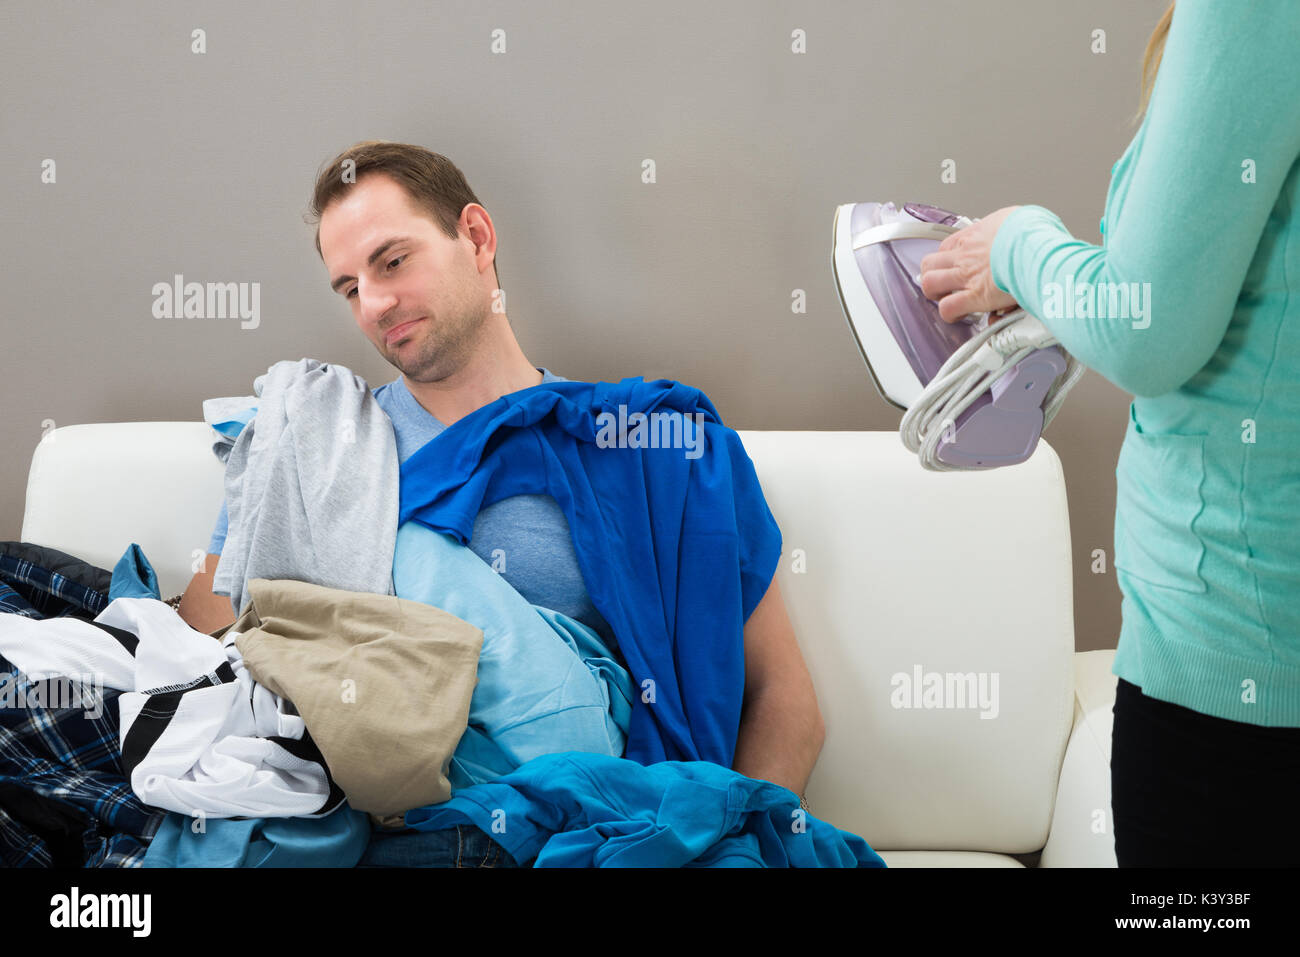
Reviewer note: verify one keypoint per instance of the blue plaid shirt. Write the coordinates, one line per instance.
(61, 758)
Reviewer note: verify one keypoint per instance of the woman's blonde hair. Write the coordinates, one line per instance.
(1151, 58)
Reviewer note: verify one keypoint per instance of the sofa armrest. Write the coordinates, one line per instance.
(93, 489)
(1082, 832)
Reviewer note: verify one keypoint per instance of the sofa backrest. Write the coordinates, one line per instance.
(94, 489)
(889, 573)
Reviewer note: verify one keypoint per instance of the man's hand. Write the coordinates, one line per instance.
(200, 608)
(781, 729)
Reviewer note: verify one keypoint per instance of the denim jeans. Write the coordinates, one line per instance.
(461, 846)
(1192, 790)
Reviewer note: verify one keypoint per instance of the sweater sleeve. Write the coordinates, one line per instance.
(1227, 92)
(218, 540)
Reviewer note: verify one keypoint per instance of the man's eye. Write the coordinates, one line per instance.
(390, 265)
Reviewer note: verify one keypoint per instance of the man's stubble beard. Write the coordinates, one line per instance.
(443, 346)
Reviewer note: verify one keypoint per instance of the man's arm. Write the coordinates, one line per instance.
(200, 608)
(781, 729)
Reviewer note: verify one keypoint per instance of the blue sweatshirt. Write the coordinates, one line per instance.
(1201, 234)
(592, 810)
(676, 544)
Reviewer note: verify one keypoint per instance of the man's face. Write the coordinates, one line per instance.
(416, 294)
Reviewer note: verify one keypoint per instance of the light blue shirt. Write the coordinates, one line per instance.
(1201, 229)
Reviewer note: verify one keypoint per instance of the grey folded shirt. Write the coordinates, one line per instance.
(311, 483)
(222, 410)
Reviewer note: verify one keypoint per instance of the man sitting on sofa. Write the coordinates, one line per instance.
(407, 244)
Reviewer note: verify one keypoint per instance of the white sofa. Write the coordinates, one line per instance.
(886, 569)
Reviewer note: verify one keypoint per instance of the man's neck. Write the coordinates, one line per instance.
(472, 387)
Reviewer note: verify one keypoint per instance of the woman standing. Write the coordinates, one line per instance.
(1192, 304)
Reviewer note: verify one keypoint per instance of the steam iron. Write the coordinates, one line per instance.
(976, 395)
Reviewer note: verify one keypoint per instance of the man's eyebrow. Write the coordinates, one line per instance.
(382, 248)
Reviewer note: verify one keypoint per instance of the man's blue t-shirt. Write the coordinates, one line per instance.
(524, 537)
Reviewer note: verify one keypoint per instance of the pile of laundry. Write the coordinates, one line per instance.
(380, 674)
(312, 696)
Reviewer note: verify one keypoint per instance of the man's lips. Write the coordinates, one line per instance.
(397, 332)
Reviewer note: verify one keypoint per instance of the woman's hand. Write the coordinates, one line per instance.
(958, 276)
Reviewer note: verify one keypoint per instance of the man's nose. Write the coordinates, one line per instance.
(375, 303)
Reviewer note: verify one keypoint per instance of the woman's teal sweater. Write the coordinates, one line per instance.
(1192, 304)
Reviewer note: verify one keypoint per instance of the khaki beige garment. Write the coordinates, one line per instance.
(383, 684)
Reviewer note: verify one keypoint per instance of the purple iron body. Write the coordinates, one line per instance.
(876, 261)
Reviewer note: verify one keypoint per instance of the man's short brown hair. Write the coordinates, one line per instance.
(433, 182)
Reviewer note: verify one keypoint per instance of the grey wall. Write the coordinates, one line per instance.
(172, 162)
